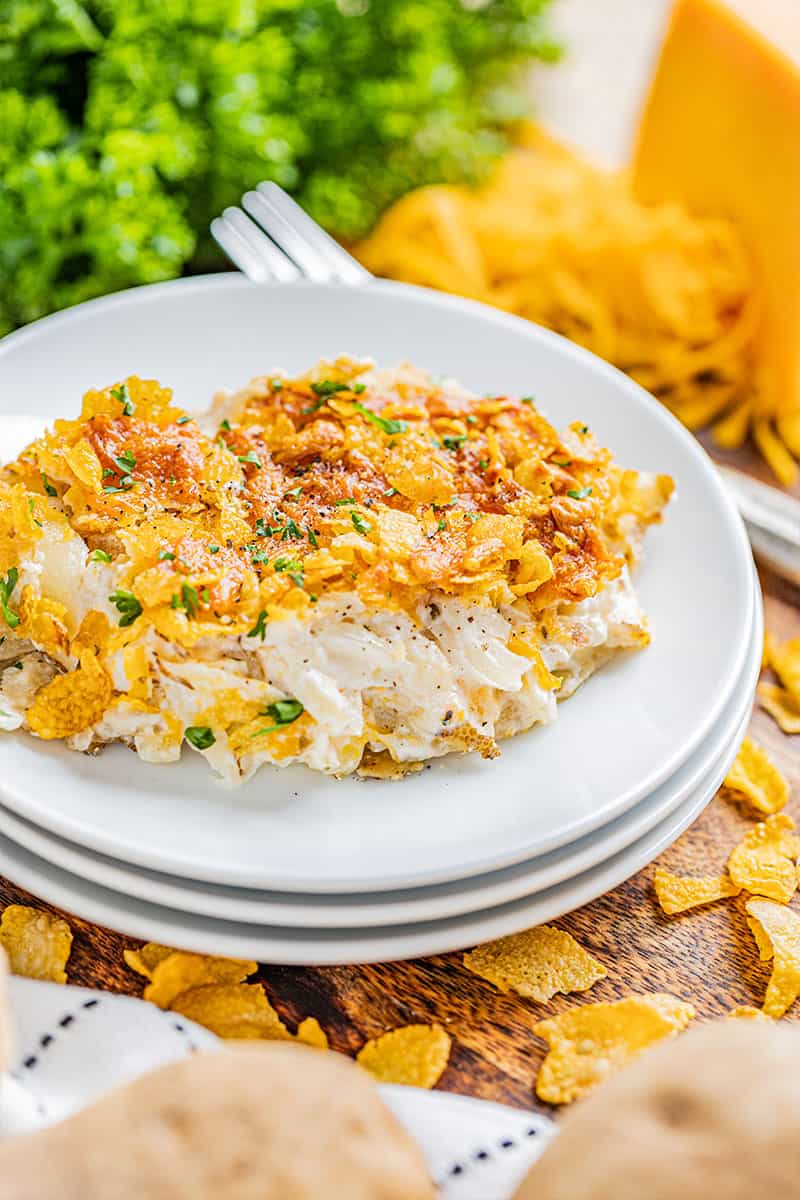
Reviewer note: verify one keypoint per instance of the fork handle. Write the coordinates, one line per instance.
(772, 519)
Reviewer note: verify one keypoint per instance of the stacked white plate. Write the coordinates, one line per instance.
(299, 868)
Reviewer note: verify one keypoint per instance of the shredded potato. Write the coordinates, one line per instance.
(666, 296)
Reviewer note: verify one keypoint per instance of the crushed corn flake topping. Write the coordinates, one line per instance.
(678, 893)
(776, 929)
(536, 963)
(764, 861)
(588, 1043)
(71, 702)
(37, 943)
(754, 776)
(323, 484)
(415, 1055)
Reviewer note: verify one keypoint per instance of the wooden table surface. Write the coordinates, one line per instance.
(706, 956)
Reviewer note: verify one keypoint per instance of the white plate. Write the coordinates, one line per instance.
(422, 904)
(309, 946)
(629, 729)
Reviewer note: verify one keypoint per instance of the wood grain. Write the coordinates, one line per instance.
(706, 956)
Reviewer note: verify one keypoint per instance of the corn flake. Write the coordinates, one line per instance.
(311, 1033)
(182, 971)
(776, 929)
(71, 703)
(678, 893)
(781, 706)
(754, 776)
(746, 1012)
(147, 957)
(232, 1010)
(38, 944)
(536, 963)
(785, 662)
(764, 861)
(590, 1042)
(415, 1055)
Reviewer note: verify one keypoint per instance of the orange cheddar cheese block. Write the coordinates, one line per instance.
(720, 132)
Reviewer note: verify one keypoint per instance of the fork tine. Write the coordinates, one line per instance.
(310, 261)
(245, 242)
(239, 251)
(345, 267)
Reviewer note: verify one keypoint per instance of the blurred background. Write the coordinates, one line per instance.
(650, 215)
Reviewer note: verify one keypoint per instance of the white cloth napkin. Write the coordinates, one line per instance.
(73, 1045)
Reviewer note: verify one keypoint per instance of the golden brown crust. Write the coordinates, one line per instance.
(324, 484)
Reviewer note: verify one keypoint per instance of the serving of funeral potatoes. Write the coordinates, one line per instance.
(358, 569)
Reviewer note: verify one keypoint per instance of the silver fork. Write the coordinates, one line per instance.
(272, 239)
(275, 239)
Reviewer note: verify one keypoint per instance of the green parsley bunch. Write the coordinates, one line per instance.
(126, 125)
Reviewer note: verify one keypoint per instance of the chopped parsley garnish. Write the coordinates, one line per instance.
(584, 428)
(226, 425)
(483, 464)
(528, 399)
(262, 529)
(561, 462)
(312, 537)
(383, 423)
(358, 388)
(7, 586)
(250, 457)
(441, 524)
(183, 420)
(259, 556)
(213, 549)
(329, 387)
(107, 471)
(48, 487)
(362, 525)
(276, 385)
(100, 556)
(205, 596)
(187, 599)
(128, 605)
(579, 493)
(121, 393)
(199, 736)
(283, 712)
(126, 462)
(471, 419)
(340, 503)
(454, 443)
(390, 491)
(291, 530)
(298, 491)
(260, 627)
(292, 567)
(166, 556)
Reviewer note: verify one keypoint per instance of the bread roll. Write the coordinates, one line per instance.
(269, 1122)
(713, 1114)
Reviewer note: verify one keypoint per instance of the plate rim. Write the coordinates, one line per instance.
(107, 842)
(528, 911)
(493, 892)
